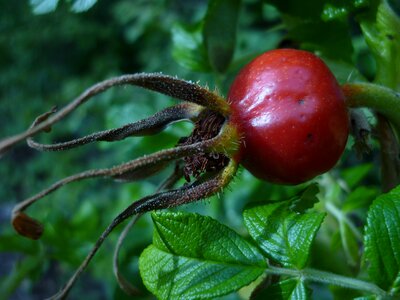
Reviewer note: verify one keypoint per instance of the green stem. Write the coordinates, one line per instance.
(386, 102)
(329, 278)
(342, 217)
(379, 98)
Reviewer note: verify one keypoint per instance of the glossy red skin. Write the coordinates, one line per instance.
(291, 114)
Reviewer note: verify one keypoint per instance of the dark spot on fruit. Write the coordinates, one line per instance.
(310, 137)
(301, 101)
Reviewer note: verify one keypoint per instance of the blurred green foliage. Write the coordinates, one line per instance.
(48, 59)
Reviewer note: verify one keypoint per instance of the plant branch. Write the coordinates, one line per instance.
(342, 217)
(390, 151)
(376, 97)
(386, 102)
(329, 278)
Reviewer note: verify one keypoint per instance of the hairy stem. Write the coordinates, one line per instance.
(328, 278)
(124, 284)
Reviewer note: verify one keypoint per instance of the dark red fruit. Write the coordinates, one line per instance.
(291, 113)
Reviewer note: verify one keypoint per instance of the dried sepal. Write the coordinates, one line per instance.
(27, 226)
(148, 126)
(167, 85)
(134, 169)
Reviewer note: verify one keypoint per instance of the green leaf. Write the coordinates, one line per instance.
(305, 24)
(305, 199)
(382, 240)
(354, 175)
(82, 5)
(188, 48)
(340, 9)
(43, 6)
(22, 269)
(219, 32)
(381, 31)
(344, 72)
(12, 242)
(361, 197)
(284, 235)
(195, 257)
(292, 289)
(47, 6)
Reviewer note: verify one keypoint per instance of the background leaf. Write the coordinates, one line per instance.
(380, 28)
(195, 257)
(43, 6)
(361, 197)
(354, 175)
(382, 239)
(219, 31)
(82, 5)
(47, 6)
(305, 25)
(188, 48)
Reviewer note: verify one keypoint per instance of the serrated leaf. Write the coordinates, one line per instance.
(305, 199)
(284, 235)
(82, 5)
(195, 257)
(188, 48)
(382, 239)
(290, 289)
(43, 6)
(219, 32)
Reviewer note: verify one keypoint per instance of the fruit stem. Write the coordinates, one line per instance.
(386, 102)
(379, 98)
(329, 278)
